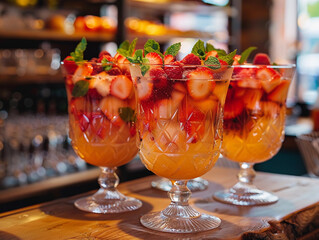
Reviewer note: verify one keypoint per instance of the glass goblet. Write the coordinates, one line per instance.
(179, 125)
(101, 113)
(254, 122)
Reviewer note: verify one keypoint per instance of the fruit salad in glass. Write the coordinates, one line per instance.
(254, 122)
(179, 123)
(101, 106)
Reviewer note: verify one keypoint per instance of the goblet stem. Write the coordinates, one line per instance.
(108, 199)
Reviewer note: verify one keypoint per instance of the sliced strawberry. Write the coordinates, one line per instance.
(158, 77)
(233, 109)
(101, 82)
(208, 104)
(82, 72)
(104, 53)
(212, 53)
(249, 83)
(121, 87)
(269, 78)
(107, 57)
(94, 94)
(270, 109)
(123, 63)
(199, 83)
(119, 58)
(110, 107)
(100, 124)
(279, 94)
(191, 59)
(168, 59)
(79, 104)
(84, 121)
(144, 89)
(154, 58)
(236, 59)
(167, 108)
(251, 98)
(174, 70)
(268, 86)
(69, 65)
(180, 86)
(261, 59)
(114, 71)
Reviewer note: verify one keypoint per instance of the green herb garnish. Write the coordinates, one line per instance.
(80, 88)
(199, 49)
(77, 55)
(229, 57)
(220, 52)
(173, 49)
(126, 49)
(127, 114)
(245, 54)
(213, 61)
(106, 64)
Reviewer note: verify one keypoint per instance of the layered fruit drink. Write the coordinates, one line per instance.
(254, 113)
(179, 110)
(101, 108)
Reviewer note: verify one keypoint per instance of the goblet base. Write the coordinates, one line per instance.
(243, 195)
(101, 202)
(159, 221)
(196, 184)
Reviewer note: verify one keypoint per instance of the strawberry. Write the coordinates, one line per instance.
(144, 89)
(236, 59)
(82, 72)
(261, 59)
(166, 108)
(212, 53)
(110, 107)
(104, 53)
(119, 58)
(158, 77)
(100, 124)
(121, 87)
(174, 70)
(268, 86)
(114, 71)
(249, 83)
(168, 59)
(191, 59)
(270, 109)
(132, 130)
(84, 121)
(233, 109)
(94, 94)
(180, 86)
(279, 94)
(79, 104)
(69, 65)
(107, 57)
(123, 63)
(101, 82)
(199, 84)
(266, 74)
(154, 58)
(251, 98)
(208, 104)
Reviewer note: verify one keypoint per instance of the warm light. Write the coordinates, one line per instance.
(92, 22)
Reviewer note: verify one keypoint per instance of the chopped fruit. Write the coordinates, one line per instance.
(166, 108)
(154, 58)
(158, 77)
(110, 107)
(119, 58)
(212, 53)
(144, 89)
(271, 109)
(82, 72)
(121, 87)
(209, 104)
(107, 57)
(168, 59)
(236, 59)
(191, 59)
(94, 94)
(104, 53)
(174, 70)
(123, 63)
(251, 98)
(84, 121)
(100, 124)
(102, 83)
(268, 86)
(198, 84)
(114, 71)
(78, 105)
(179, 86)
(280, 92)
(265, 73)
(249, 83)
(261, 59)
(69, 65)
(132, 131)
(233, 109)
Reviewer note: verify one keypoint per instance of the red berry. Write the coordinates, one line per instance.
(191, 59)
(261, 59)
(69, 65)
(154, 58)
(121, 87)
(168, 59)
(174, 70)
(158, 77)
(212, 53)
(104, 53)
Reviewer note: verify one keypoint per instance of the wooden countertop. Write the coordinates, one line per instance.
(294, 216)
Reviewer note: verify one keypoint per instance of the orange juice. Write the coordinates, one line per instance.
(254, 115)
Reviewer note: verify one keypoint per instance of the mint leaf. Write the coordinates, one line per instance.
(229, 57)
(125, 45)
(132, 47)
(245, 54)
(220, 52)
(127, 114)
(80, 88)
(107, 65)
(213, 62)
(145, 68)
(137, 58)
(199, 49)
(77, 55)
(123, 52)
(148, 50)
(173, 49)
(151, 46)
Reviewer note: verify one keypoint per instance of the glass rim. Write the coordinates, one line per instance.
(183, 65)
(277, 66)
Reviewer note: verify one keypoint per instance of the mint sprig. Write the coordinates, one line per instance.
(151, 46)
(220, 52)
(229, 57)
(80, 88)
(77, 55)
(173, 49)
(126, 49)
(127, 114)
(199, 49)
(213, 63)
(245, 54)
(106, 64)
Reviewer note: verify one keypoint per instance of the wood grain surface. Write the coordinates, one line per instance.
(294, 216)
